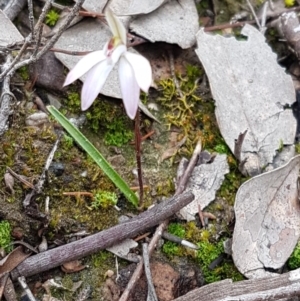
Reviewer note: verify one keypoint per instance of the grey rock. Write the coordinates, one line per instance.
(37, 119)
(49, 72)
(54, 101)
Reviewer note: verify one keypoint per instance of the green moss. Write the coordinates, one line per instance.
(191, 114)
(294, 260)
(103, 199)
(117, 132)
(100, 257)
(222, 148)
(209, 252)
(110, 120)
(165, 187)
(192, 232)
(230, 186)
(176, 229)
(172, 249)
(52, 17)
(24, 73)
(73, 102)
(5, 236)
(67, 142)
(297, 148)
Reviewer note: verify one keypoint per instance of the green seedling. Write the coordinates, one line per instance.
(94, 154)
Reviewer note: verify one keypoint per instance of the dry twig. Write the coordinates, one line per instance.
(161, 228)
(277, 287)
(151, 290)
(25, 287)
(102, 240)
(33, 58)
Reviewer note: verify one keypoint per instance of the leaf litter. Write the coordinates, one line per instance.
(252, 92)
(258, 101)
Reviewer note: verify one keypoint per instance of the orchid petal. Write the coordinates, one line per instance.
(84, 65)
(129, 88)
(118, 51)
(116, 26)
(97, 76)
(142, 70)
(94, 83)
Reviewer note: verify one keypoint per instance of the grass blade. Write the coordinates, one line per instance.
(94, 154)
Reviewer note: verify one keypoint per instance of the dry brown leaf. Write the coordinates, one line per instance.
(172, 150)
(12, 260)
(72, 266)
(267, 224)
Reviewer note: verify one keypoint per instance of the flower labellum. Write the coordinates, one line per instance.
(134, 70)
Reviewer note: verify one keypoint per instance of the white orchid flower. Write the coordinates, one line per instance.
(134, 70)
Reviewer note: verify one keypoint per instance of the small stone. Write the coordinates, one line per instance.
(37, 119)
(49, 72)
(54, 101)
(17, 233)
(57, 168)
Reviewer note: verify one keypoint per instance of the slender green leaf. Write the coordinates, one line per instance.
(94, 154)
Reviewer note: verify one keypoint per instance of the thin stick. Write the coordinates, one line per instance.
(193, 161)
(102, 240)
(13, 8)
(37, 28)
(254, 14)
(42, 16)
(264, 14)
(6, 98)
(31, 18)
(12, 69)
(40, 183)
(172, 69)
(139, 268)
(137, 135)
(161, 228)
(20, 178)
(151, 290)
(25, 287)
(38, 39)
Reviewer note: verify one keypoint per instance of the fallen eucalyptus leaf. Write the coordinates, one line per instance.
(9, 181)
(94, 5)
(205, 180)
(134, 7)
(267, 224)
(11, 34)
(72, 266)
(122, 249)
(12, 260)
(251, 92)
(175, 22)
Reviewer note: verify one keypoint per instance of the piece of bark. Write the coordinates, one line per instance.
(102, 240)
(271, 288)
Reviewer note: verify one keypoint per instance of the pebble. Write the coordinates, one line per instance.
(37, 119)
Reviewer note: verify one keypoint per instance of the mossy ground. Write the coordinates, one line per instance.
(191, 115)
